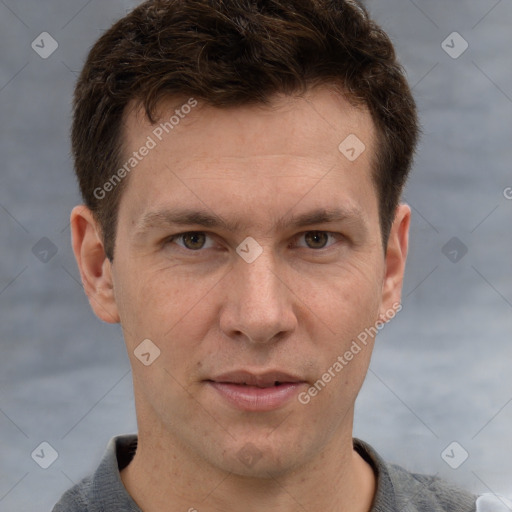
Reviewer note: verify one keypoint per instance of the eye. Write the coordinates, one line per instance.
(318, 239)
(192, 240)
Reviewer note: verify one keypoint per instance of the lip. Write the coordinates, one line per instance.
(256, 392)
(253, 398)
(263, 379)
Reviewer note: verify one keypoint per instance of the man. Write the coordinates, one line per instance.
(241, 164)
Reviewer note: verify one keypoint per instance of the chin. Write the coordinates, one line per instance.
(259, 459)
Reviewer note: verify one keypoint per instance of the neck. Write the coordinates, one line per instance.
(164, 476)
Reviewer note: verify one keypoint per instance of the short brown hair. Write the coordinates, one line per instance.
(235, 52)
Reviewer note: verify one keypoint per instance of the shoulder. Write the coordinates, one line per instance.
(425, 493)
(403, 490)
(432, 493)
(75, 499)
(104, 489)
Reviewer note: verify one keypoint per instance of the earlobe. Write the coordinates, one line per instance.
(396, 257)
(93, 264)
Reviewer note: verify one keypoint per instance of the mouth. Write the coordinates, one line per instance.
(245, 384)
(256, 392)
(262, 380)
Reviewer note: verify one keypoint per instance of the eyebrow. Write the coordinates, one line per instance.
(189, 217)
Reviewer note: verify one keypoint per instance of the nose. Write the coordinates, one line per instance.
(258, 305)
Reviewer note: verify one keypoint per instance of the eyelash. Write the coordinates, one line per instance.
(322, 249)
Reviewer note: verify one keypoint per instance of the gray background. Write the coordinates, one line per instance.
(441, 371)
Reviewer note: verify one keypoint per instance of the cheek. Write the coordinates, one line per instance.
(348, 306)
(155, 299)
(345, 300)
(174, 313)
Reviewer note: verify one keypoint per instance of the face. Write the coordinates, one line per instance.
(276, 275)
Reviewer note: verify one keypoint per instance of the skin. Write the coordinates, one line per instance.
(296, 308)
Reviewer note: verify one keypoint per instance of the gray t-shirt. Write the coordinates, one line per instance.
(398, 490)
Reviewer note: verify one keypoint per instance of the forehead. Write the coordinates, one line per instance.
(293, 147)
(314, 123)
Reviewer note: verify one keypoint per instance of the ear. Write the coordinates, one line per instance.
(396, 256)
(95, 268)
